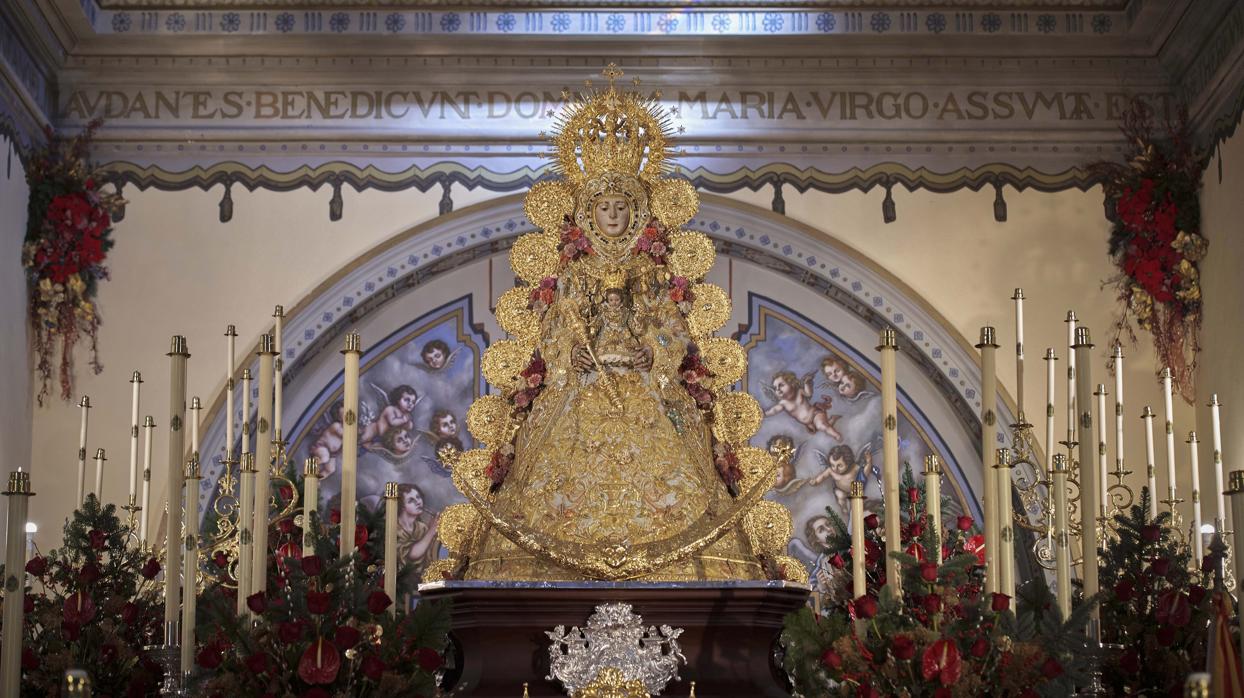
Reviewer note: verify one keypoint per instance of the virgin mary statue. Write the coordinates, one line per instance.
(614, 448)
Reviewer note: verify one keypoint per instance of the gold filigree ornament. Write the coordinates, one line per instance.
(437, 570)
(504, 360)
(470, 474)
(674, 202)
(792, 569)
(710, 309)
(535, 256)
(514, 316)
(759, 468)
(547, 204)
(611, 683)
(725, 358)
(457, 526)
(736, 417)
(768, 527)
(487, 418)
(692, 254)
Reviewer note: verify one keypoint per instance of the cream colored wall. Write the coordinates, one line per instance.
(1222, 287)
(15, 364)
(177, 270)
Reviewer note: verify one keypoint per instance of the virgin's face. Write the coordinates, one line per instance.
(413, 502)
(612, 215)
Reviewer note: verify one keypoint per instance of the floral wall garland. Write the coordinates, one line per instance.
(1155, 242)
(68, 235)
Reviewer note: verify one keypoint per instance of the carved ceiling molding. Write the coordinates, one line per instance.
(572, 4)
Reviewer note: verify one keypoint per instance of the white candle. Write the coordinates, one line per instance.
(1102, 476)
(85, 404)
(231, 336)
(99, 475)
(136, 380)
(246, 410)
(263, 465)
(1118, 407)
(1198, 546)
(178, 356)
(1089, 486)
(889, 464)
(391, 563)
(1237, 514)
(349, 442)
(1071, 376)
(310, 501)
(15, 586)
(1019, 352)
(196, 409)
(246, 516)
(1220, 523)
(1050, 358)
(277, 385)
(190, 569)
(859, 582)
(1062, 550)
(933, 499)
(148, 434)
(1171, 488)
(1006, 537)
(1150, 461)
(989, 420)
(31, 530)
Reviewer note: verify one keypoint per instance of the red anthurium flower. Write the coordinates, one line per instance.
(320, 663)
(79, 609)
(942, 660)
(129, 613)
(1196, 594)
(30, 660)
(28, 604)
(916, 550)
(1151, 533)
(1160, 566)
(210, 656)
(1124, 590)
(1173, 608)
(980, 648)
(89, 573)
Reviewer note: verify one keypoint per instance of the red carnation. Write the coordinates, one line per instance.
(928, 571)
(312, 565)
(378, 601)
(320, 663)
(903, 647)
(429, 659)
(373, 667)
(37, 566)
(318, 602)
(865, 607)
(151, 568)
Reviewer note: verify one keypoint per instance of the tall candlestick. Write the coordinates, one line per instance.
(178, 356)
(1062, 550)
(1071, 376)
(1220, 522)
(196, 409)
(1006, 541)
(989, 420)
(1150, 462)
(246, 539)
(263, 464)
(19, 495)
(278, 384)
(1237, 543)
(1019, 352)
(391, 563)
(1198, 545)
(231, 337)
(100, 458)
(1170, 437)
(136, 380)
(1050, 358)
(310, 501)
(85, 404)
(889, 464)
(1118, 407)
(933, 499)
(1089, 487)
(190, 568)
(148, 435)
(246, 410)
(1100, 394)
(859, 582)
(349, 441)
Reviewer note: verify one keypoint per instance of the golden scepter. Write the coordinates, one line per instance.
(606, 378)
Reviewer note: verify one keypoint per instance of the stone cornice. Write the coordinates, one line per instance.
(1017, 5)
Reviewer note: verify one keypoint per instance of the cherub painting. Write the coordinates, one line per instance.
(842, 468)
(794, 397)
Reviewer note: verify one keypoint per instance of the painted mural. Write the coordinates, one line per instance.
(822, 405)
(415, 388)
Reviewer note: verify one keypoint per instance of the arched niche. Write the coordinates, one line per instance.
(802, 301)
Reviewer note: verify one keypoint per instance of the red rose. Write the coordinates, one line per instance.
(360, 536)
(942, 660)
(1151, 533)
(903, 647)
(99, 539)
(346, 637)
(964, 523)
(79, 609)
(831, 660)
(129, 612)
(378, 601)
(373, 667)
(320, 663)
(37, 566)
(980, 648)
(837, 561)
(871, 522)
(257, 663)
(151, 568)
(1160, 566)
(89, 573)
(916, 530)
(429, 659)
(1124, 591)
(211, 656)
(30, 660)
(928, 571)
(289, 631)
(318, 602)
(312, 565)
(257, 603)
(1001, 602)
(1051, 669)
(932, 604)
(865, 607)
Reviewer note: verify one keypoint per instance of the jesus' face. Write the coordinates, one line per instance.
(612, 215)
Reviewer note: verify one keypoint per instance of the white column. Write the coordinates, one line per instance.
(1062, 543)
(889, 464)
(263, 465)
(100, 459)
(19, 495)
(989, 430)
(1006, 523)
(246, 539)
(1150, 462)
(859, 582)
(1236, 493)
(1220, 523)
(178, 356)
(85, 404)
(136, 381)
(1198, 545)
(1089, 487)
(190, 568)
(310, 500)
(148, 436)
(391, 563)
(933, 499)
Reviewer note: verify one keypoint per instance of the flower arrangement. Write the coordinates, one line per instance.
(574, 244)
(92, 604)
(1155, 240)
(68, 235)
(945, 637)
(520, 401)
(541, 296)
(654, 242)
